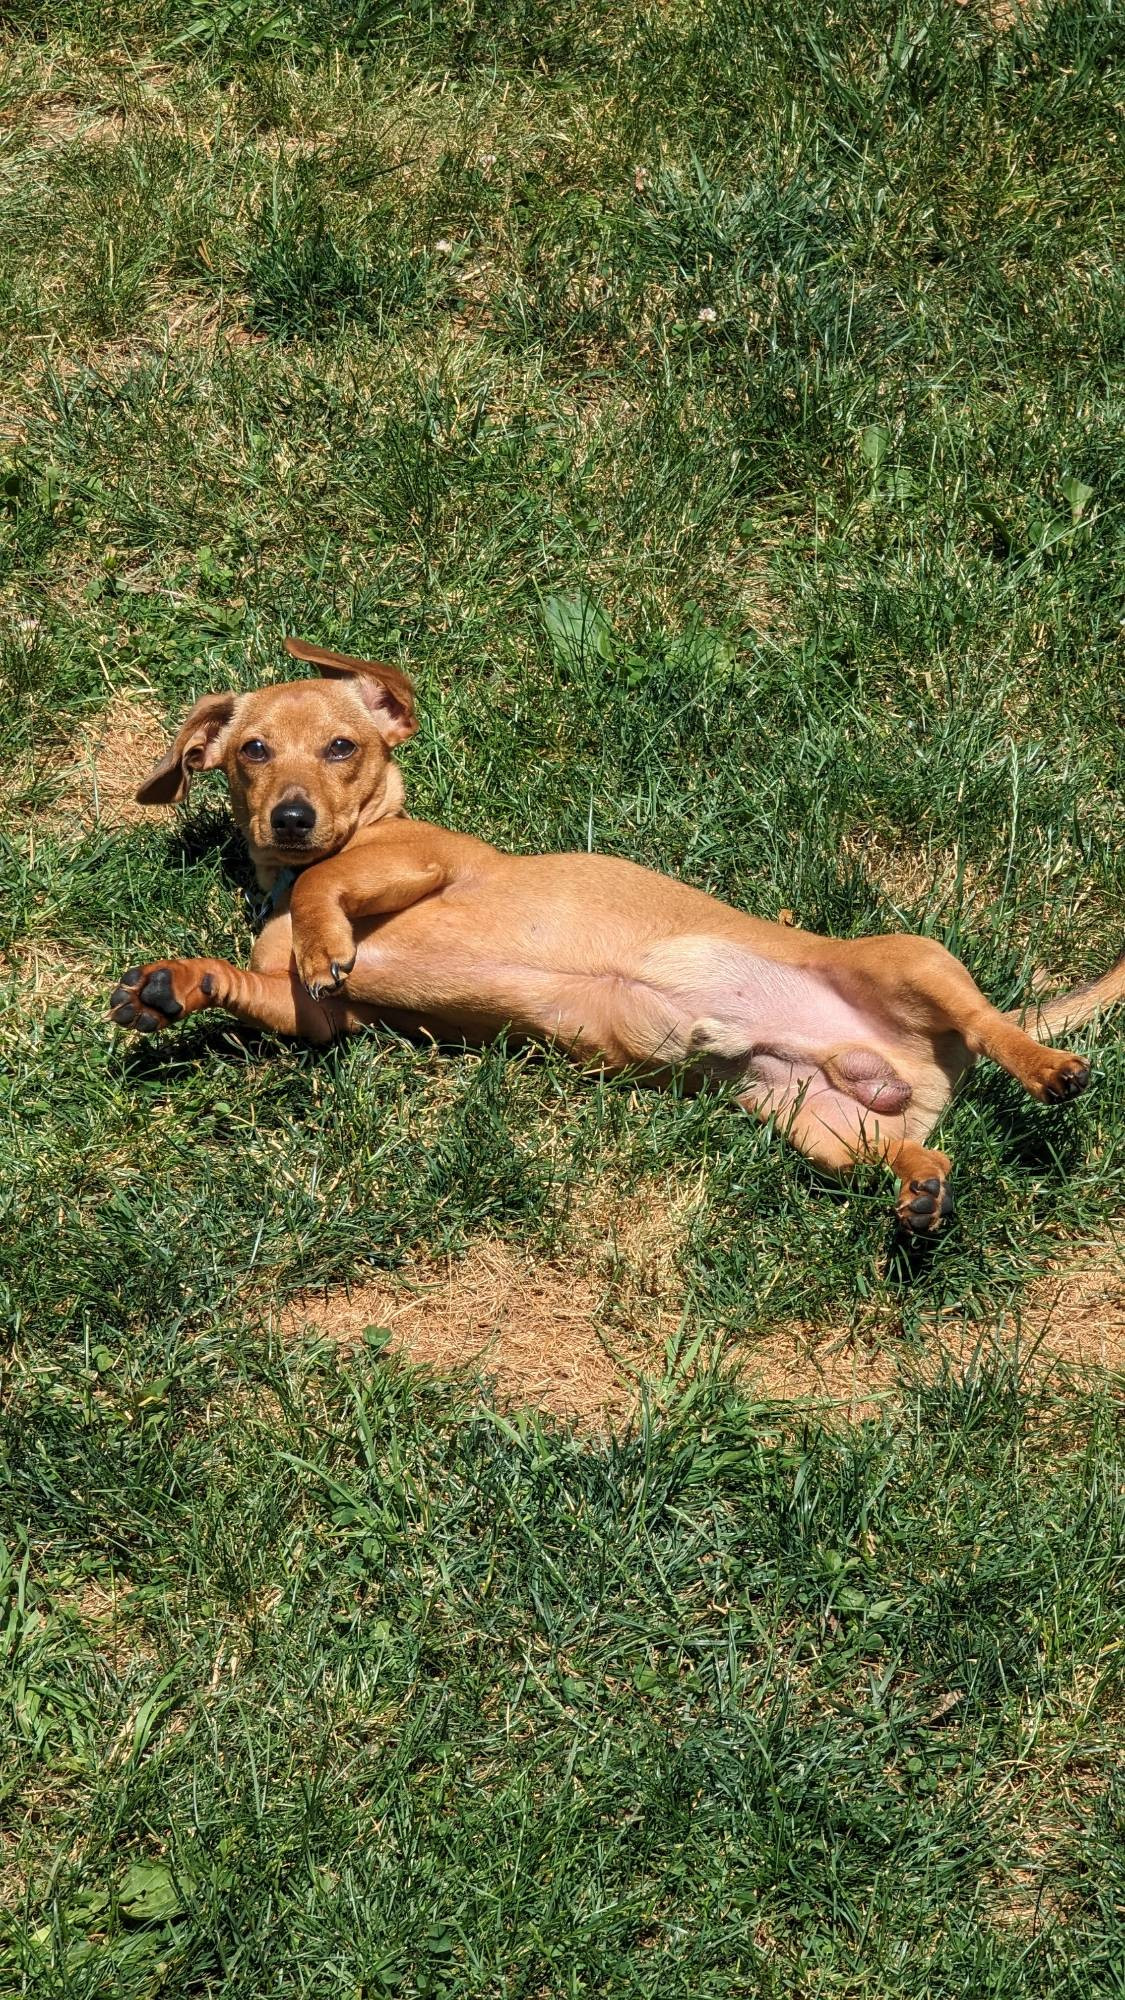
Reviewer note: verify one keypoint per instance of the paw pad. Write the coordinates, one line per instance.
(930, 1206)
(145, 1001)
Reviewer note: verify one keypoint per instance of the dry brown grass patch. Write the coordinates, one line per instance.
(169, 328)
(531, 1327)
(572, 1337)
(1075, 1316)
(909, 876)
(93, 103)
(848, 1376)
(1001, 15)
(577, 1335)
(1072, 1324)
(59, 121)
(205, 324)
(104, 1614)
(111, 756)
(45, 974)
(1051, 1802)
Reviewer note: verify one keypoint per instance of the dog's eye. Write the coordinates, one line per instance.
(254, 751)
(339, 748)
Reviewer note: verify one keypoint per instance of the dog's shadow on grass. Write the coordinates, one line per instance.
(909, 1260)
(240, 1045)
(152, 1058)
(209, 833)
(1027, 1142)
(1032, 1138)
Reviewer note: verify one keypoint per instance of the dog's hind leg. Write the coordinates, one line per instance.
(837, 1132)
(924, 988)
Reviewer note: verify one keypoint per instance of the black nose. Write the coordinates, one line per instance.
(293, 817)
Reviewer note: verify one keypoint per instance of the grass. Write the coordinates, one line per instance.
(718, 410)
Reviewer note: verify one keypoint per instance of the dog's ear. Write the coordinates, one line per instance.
(196, 748)
(386, 692)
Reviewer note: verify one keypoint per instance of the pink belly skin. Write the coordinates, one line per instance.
(704, 1001)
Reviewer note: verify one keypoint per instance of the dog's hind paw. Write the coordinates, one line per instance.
(1067, 1081)
(924, 1206)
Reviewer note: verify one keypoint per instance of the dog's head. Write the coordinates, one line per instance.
(307, 762)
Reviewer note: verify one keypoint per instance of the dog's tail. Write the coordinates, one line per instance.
(1044, 1019)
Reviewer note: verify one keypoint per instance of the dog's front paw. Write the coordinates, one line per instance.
(323, 967)
(151, 997)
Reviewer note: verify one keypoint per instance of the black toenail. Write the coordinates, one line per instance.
(207, 984)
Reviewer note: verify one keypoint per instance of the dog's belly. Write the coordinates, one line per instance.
(710, 1003)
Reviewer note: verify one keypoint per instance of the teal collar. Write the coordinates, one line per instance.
(272, 903)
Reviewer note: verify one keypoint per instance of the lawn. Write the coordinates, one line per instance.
(717, 408)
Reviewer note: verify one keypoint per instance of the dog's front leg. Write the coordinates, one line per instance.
(374, 881)
(154, 996)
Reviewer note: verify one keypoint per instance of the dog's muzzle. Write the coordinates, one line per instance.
(292, 821)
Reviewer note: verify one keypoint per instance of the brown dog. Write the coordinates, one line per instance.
(853, 1047)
